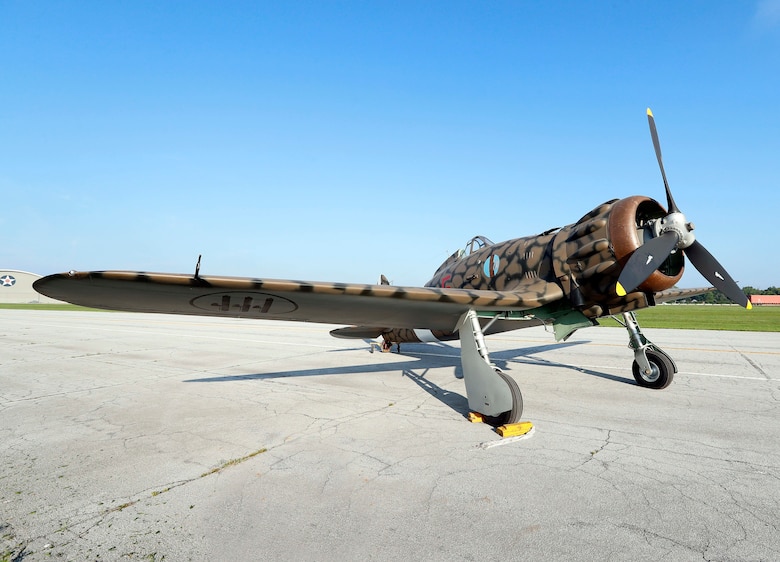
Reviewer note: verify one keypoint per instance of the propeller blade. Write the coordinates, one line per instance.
(645, 259)
(713, 272)
(657, 145)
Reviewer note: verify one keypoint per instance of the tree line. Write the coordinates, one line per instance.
(716, 297)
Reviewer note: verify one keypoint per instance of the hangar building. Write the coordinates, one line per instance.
(16, 287)
(765, 300)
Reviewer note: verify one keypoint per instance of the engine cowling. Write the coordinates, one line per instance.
(589, 256)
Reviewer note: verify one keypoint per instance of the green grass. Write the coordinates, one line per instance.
(49, 306)
(707, 317)
(681, 316)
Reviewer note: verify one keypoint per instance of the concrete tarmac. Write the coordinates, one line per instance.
(155, 437)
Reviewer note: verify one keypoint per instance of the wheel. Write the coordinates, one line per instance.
(661, 371)
(513, 415)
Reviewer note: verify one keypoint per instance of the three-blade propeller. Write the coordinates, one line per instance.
(675, 233)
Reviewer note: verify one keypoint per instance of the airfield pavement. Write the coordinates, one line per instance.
(155, 437)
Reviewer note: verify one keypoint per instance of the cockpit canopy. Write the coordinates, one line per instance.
(475, 244)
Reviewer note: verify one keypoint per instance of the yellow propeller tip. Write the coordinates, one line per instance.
(749, 306)
(620, 290)
(649, 113)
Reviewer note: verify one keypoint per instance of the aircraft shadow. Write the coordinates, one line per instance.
(438, 355)
(409, 369)
(452, 400)
(505, 358)
(343, 370)
(421, 358)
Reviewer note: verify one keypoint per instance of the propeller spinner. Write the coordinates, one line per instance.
(673, 233)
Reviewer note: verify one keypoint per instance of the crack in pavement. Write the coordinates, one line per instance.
(753, 364)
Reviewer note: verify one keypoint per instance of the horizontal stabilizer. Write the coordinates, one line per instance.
(357, 332)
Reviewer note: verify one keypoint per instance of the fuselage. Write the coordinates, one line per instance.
(584, 259)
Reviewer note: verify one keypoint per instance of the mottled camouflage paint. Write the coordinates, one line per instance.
(584, 259)
(588, 257)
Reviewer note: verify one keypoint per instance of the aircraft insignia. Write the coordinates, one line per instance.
(248, 303)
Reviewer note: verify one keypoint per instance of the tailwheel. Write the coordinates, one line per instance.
(513, 415)
(661, 371)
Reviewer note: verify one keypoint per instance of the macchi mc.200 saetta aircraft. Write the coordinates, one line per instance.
(624, 255)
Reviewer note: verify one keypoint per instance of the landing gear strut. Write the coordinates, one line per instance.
(490, 391)
(652, 367)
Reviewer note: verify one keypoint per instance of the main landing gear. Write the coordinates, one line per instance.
(496, 396)
(490, 392)
(652, 367)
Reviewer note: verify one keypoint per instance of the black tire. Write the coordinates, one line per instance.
(662, 371)
(513, 415)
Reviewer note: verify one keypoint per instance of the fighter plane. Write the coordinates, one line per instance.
(624, 255)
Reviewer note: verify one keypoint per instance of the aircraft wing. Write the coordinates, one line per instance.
(677, 294)
(430, 308)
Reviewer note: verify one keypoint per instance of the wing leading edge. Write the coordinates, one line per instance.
(430, 308)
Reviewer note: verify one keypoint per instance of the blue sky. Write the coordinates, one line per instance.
(340, 140)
